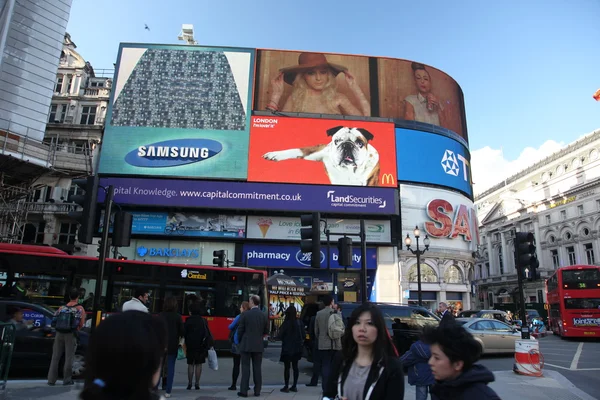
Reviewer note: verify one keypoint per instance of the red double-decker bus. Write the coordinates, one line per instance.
(48, 273)
(574, 301)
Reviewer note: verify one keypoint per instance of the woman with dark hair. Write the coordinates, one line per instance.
(367, 367)
(292, 335)
(132, 337)
(175, 331)
(235, 342)
(197, 341)
(453, 355)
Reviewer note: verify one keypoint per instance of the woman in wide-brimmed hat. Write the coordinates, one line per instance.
(314, 88)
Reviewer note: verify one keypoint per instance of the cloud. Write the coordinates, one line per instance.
(489, 166)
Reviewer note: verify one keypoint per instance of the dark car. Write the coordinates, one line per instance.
(404, 323)
(467, 313)
(33, 348)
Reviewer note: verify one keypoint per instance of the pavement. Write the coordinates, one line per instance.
(507, 385)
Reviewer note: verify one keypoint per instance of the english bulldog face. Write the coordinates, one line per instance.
(349, 146)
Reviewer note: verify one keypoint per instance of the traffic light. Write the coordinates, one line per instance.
(219, 258)
(345, 251)
(121, 236)
(310, 233)
(525, 255)
(88, 201)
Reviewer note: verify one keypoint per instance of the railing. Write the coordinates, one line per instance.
(53, 208)
(27, 149)
(97, 92)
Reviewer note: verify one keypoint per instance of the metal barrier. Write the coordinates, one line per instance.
(7, 343)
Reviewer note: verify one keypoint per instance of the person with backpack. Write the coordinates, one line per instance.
(235, 342)
(329, 329)
(67, 321)
(292, 336)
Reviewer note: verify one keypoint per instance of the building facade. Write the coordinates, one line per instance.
(75, 123)
(228, 160)
(31, 37)
(558, 200)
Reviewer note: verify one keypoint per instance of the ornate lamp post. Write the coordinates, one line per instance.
(418, 252)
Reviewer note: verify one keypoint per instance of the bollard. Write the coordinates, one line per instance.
(528, 359)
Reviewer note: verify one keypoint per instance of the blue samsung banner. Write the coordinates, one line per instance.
(187, 224)
(423, 157)
(273, 256)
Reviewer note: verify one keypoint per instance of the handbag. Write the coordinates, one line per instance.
(180, 353)
(213, 362)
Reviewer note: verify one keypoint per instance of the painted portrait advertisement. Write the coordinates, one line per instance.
(322, 151)
(288, 82)
(317, 83)
(413, 91)
(179, 111)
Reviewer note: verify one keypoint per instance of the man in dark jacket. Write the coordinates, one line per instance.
(453, 355)
(416, 359)
(445, 313)
(253, 326)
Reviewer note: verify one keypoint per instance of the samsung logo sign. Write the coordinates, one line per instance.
(172, 153)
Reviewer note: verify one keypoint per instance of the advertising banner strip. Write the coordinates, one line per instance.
(177, 224)
(428, 158)
(257, 196)
(288, 228)
(273, 256)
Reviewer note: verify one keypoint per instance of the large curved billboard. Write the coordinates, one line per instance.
(350, 85)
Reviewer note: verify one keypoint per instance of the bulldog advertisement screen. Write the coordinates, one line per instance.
(321, 151)
(179, 111)
(342, 84)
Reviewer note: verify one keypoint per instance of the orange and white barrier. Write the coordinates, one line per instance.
(528, 359)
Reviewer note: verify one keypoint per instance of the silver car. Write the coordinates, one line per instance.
(493, 336)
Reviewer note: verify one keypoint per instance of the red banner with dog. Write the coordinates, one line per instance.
(321, 151)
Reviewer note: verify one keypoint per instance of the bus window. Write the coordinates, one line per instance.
(582, 304)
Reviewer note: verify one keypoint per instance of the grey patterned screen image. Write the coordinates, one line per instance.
(180, 89)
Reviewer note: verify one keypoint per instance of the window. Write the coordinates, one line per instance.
(428, 275)
(496, 236)
(97, 84)
(88, 115)
(39, 235)
(589, 253)
(540, 296)
(67, 233)
(563, 214)
(487, 269)
(582, 304)
(580, 209)
(548, 220)
(528, 227)
(75, 190)
(480, 272)
(571, 254)
(69, 83)
(555, 260)
(53, 110)
(453, 275)
(59, 84)
(598, 205)
(500, 260)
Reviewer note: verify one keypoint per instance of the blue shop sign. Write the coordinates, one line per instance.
(273, 256)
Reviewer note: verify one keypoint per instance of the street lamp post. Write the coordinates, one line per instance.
(418, 252)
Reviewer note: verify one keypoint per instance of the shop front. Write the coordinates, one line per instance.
(343, 284)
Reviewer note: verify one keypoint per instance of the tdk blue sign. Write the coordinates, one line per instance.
(167, 252)
(425, 157)
(172, 153)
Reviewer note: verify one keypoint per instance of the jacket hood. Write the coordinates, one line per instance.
(476, 374)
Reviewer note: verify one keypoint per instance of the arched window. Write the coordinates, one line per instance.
(428, 275)
(453, 275)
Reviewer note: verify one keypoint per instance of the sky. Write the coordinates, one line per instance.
(528, 69)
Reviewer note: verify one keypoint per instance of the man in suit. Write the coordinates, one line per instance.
(326, 345)
(253, 326)
(446, 314)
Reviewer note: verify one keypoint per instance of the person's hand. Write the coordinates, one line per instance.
(277, 85)
(432, 99)
(350, 80)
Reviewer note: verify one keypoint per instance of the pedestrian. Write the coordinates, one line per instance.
(138, 301)
(198, 340)
(292, 335)
(175, 332)
(445, 313)
(252, 328)
(416, 360)
(454, 352)
(124, 358)
(67, 321)
(314, 343)
(327, 345)
(235, 344)
(367, 367)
